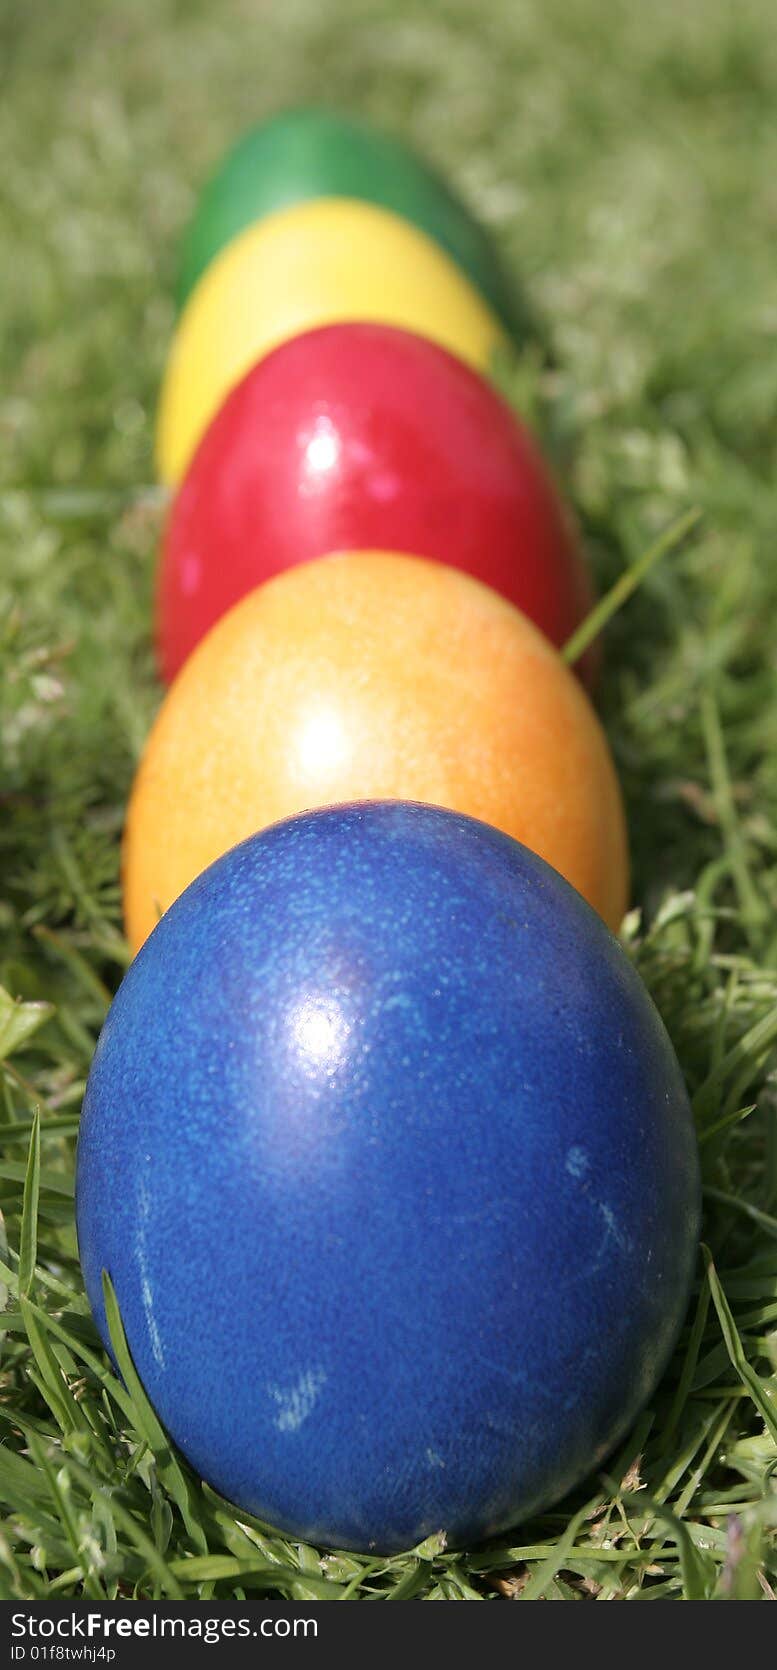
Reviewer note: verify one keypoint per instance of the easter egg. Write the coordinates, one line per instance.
(389, 1159)
(356, 436)
(314, 264)
(309, 153)
(372, 675)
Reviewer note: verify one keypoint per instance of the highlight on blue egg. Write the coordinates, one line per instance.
(390, 1161)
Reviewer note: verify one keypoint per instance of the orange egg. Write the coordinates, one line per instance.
(368, 676)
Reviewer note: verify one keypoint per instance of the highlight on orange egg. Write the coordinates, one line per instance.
(372, 675)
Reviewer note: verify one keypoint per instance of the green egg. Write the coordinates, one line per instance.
(304, 154)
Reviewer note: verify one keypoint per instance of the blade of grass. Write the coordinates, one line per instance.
(92, 1584)
(753, 907)
(626, 584)
(156, 1564)
(546, 1572)
(689, 1367)
(750, 1380)
(217, 1568)
(764, 1220)
(28, 1234)
(749, 1050)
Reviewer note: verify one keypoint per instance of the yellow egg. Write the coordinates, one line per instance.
(317, 263)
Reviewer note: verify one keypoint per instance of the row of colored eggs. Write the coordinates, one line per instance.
(358, 437)
(380, 1044)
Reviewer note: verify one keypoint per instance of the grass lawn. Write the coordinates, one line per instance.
(626, 158)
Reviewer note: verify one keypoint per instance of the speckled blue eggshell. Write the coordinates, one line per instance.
(389, 1158)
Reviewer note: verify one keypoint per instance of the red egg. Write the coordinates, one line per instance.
(363, 436)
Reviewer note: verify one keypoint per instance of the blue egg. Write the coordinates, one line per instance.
(391, 1163)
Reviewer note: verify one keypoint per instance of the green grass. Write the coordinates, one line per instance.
(625, 157)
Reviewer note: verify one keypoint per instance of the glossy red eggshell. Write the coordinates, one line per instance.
(362, 436)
